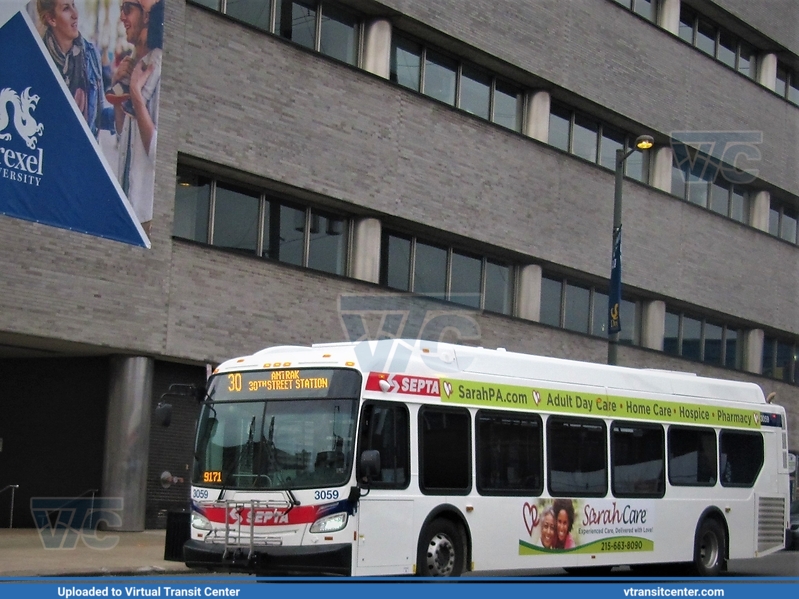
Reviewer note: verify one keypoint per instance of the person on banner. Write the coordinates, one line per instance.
(137, 118)
(564, 514)
(549, 534)
(77, 60)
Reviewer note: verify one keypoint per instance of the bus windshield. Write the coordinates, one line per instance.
(296, 440)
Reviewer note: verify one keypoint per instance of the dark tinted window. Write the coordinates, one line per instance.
(692, 456)
(509, 450)
(384, 427)
(577, 457)
(637, 455)
(445, 451)
(740, 458)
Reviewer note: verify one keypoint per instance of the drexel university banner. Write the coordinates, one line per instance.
(79, 90)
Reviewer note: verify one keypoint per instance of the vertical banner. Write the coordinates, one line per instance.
(614, 295)
(79, 92)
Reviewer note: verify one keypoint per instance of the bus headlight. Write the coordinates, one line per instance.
(200, 521)
(330, 523)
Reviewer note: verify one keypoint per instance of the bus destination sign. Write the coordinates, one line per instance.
(294, 383)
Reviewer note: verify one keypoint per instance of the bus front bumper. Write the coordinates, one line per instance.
(333, 559)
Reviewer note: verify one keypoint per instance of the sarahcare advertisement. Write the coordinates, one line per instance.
(79, 90)
(586, 526)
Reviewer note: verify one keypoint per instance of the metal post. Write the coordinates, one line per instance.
(91, 517)
(11, 515)
(621, 156)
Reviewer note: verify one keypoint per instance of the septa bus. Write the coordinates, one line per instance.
(402, 457)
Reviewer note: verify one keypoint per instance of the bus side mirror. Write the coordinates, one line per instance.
(369, 465)
(163, 413)
(184, 390)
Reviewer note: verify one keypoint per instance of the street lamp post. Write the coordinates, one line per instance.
(643, 142)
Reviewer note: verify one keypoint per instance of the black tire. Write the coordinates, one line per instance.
(441, 550)
(710, 548)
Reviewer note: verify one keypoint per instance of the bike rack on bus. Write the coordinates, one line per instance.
(233, 532)
(13, 489)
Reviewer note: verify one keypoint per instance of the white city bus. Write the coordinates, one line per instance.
(413, 457)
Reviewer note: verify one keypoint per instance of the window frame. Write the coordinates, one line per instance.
(551, 454)
(398, 407)
(480, 447)
(727, 330)
(439, 491)
(565, 283)
(495, 80)
(714, 454)
(266, 201)
(689, 15)
(651, 426)
(740, 433)
(387, 234)
(319, 10)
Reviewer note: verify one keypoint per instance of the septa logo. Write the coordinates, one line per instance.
(51, 167)
(402, 383)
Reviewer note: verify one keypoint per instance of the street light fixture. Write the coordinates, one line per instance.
(642, 142)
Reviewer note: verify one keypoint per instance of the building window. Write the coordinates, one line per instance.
(701, 180)
(715, 41)
(783, 221)
(584, 309)
(235, 218)
(192, 205)
(254, 12)
(338, 37)
(702, 340)
(228, 215)
(645, 8)
(319, 26)
(412, 264)
(440, 75)
(460, 84)
(779, 359)
(594, 141)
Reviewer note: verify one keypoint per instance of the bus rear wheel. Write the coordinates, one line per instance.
(710, 548)
(441, 550)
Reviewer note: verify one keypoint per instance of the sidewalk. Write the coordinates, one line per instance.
(136, 554)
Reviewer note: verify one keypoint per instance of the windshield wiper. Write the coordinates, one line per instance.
(293, 502)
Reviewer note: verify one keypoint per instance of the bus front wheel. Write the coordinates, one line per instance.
(441, 550)
(710, 547)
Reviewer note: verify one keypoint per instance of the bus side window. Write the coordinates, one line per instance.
(384, 427)
(740, 458)
(445, 465)
(577, 452)
(637, 460)
(509, 453)
(692, 456)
